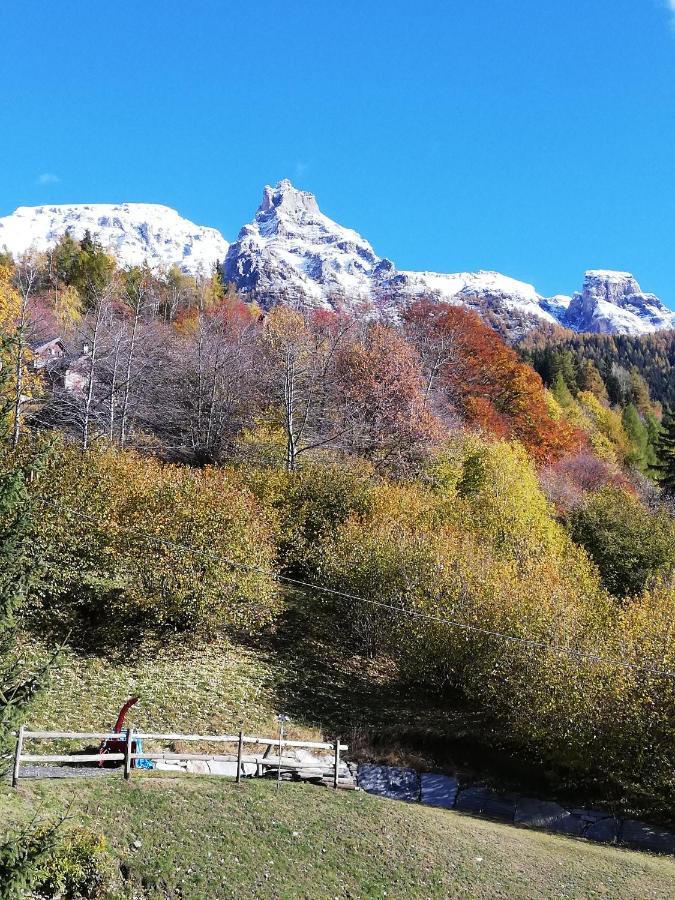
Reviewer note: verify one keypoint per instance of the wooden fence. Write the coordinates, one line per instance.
(264, 762)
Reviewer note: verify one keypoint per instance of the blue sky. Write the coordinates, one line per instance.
(532, 137)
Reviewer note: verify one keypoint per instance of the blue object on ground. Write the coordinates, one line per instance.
(389, 781)
(438, 790)
(142, 763)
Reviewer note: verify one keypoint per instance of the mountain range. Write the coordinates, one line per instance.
(291, 252)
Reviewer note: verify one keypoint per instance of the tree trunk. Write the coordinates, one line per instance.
(127, 384)
(92, 376)
(289, 409)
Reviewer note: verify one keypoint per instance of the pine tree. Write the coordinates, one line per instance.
(638, 436)
(666, 452)
(561, 391)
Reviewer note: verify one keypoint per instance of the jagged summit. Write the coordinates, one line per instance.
(286, 200)
(292, 252)
(135, 232)
(613, 302)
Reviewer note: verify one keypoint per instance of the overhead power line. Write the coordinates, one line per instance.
(406, 613)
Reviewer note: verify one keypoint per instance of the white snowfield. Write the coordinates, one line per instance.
(135, 233)
(292, 252)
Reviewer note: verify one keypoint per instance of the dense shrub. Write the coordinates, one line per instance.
(479, 547)
(112, 536)
(78, 868)
(629, 544)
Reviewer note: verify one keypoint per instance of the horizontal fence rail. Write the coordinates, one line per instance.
(266, 762)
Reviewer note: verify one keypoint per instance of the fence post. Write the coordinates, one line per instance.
(239, 756)
(337, 762)
(127, 756)
(17, 757)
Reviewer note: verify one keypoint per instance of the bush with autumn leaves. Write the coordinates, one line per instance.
(124, 540)
(475, 590)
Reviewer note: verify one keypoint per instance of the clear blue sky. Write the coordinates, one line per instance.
(532, 137)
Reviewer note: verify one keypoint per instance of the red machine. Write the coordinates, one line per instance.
(118, 745)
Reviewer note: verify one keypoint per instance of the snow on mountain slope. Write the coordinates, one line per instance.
(291, 252)
(488, 288)
(613, 303)
(134, 232)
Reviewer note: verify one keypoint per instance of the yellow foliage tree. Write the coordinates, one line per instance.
(114, 533)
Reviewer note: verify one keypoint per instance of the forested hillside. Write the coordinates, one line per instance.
(481, 541)
(615, 356)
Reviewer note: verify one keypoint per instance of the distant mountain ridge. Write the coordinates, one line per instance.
(134, 232)
(291, 252)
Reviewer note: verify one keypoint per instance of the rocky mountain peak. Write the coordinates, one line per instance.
(285, 200)
(612, 302)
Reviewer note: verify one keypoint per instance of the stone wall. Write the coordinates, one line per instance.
(446, 792)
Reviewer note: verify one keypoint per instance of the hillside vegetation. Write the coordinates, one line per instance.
(382, 530)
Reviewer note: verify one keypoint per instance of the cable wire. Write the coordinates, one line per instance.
(410, 613)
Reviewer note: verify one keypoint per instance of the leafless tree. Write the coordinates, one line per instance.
(26, 280)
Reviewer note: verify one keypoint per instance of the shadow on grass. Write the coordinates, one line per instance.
(317, 682)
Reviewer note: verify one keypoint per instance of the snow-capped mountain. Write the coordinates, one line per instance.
(134, 232)
(291, 252)
(612, 302)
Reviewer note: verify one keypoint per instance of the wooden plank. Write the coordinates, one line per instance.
(127, 755)
(81, 758)
(234, 739)
(206, 738)
(72, 735)
(204, 757)
(310, 745)
(17, 757)
(239, 755)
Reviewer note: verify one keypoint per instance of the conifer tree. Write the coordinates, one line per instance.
(561, 391)
(666, 452)
(590, 379)
(637, 434)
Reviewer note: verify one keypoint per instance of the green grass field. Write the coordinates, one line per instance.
(201, 837)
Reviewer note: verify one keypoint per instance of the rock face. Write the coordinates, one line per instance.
(612, 302)
(133, 232)
(291, 252)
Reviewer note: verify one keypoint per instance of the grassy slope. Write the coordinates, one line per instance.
(217, 688)
(206, 838)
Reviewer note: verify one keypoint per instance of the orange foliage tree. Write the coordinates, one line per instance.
(382, 400)
(468, 368)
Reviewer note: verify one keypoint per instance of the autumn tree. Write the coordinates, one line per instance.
(630, 545)
(209, 383)
(17, 291)
(382, 400)
(302, 353)
(484, 380)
